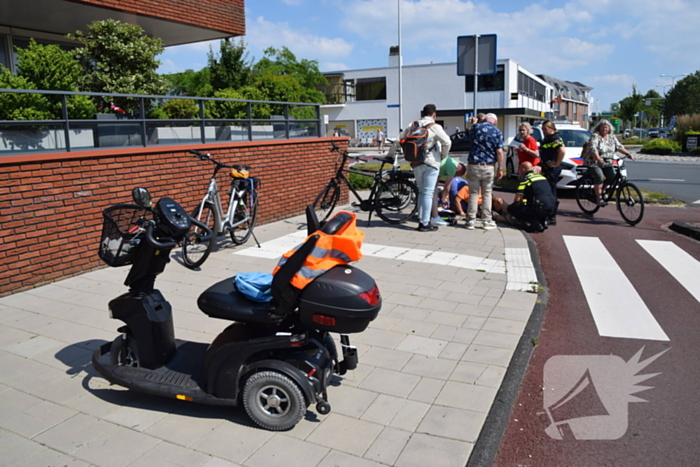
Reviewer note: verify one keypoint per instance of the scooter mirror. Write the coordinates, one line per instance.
(141, 197)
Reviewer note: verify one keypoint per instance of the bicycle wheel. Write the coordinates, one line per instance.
(326, 200)
(585, 196)
(246, 209)
(195, 251)
(395, 201)
(630, 203)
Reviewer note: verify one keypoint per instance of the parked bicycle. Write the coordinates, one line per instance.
(392, 195)
(628, 197)
(238, 220)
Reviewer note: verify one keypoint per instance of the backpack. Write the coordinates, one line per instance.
(415, 144)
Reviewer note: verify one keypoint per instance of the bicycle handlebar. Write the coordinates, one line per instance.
(207, 157)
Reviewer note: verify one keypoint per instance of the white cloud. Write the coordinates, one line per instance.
(262, 34)
(333, 66)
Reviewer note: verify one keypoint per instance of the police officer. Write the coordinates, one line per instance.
(533, 203)
(552, 152)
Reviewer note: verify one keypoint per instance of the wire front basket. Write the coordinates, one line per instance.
(121, 233)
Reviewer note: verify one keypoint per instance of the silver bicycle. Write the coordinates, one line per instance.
(238, 220)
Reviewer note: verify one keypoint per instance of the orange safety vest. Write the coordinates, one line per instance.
(342, 247)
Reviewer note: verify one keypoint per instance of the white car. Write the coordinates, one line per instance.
(572, 166)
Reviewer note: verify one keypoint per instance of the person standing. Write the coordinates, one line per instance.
(426, 172)
(485, 164)
(552, 151)
(380, 140)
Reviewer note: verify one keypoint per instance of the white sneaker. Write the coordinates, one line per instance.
(469, 225)
(488, 225)
(438, 221)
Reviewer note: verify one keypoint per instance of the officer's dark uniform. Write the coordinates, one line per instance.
(548, 153)
(537, 204)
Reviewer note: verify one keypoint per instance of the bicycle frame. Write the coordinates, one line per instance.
(213, 197)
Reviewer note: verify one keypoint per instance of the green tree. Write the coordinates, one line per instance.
(191, 83)
(282, 62)
(230, 68)
(630, 105)
(50, 68)
(653, 103)
(239, 110)
(684, 97)
(119, 58)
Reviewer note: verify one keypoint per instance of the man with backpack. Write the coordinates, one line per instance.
(424, 145)
(485, 164)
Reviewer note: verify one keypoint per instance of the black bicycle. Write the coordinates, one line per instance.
(628, 197)
(392, 195)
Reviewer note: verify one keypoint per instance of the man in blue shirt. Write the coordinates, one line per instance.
(485, 164)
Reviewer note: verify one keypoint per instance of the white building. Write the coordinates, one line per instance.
(361, 102)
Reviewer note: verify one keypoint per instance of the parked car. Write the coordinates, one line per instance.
(460, 142)
(653, 132)
(572, 166)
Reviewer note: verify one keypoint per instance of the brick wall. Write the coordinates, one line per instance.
(50, 207)
(223, 15)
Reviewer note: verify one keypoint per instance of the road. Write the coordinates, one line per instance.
(677, 179)
(617, 295)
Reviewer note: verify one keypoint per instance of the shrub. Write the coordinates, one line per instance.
(660, 146)
(181, 109)
(360, 182)
(687, 124)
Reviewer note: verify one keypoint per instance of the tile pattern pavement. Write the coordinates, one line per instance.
(430, 364)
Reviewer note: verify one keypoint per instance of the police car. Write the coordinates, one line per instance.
(572, 166)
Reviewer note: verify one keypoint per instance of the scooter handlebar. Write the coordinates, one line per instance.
(152, 240)
(208, 233)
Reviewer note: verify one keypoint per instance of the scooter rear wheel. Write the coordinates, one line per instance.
(273, 401)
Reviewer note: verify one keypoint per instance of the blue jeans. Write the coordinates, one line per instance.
(426, 179)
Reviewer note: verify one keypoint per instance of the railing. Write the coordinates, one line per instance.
(109, 130)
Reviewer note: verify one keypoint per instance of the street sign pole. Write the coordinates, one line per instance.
(476, 70)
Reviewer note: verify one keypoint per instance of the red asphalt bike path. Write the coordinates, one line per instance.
(665, 431)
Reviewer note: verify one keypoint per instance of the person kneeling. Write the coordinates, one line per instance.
(459, 195)
(533, 203)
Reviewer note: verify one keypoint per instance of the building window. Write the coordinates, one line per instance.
(3, 52)
(487, 82)
(370, 89)
(530, 87)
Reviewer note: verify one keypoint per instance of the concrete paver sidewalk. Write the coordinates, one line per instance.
(454, 309)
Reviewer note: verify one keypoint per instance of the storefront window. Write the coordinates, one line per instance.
(3, 52)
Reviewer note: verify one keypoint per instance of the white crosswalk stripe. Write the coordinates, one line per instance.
(520, 272)
(683, 267)
(617, 308)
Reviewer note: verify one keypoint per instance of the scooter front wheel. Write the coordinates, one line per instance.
(273, 401)
(124, 352)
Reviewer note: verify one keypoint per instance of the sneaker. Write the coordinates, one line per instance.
(488, 225)
(426, 228)
(438, 221)
(602, 202)
(552, 221)
(469, 225)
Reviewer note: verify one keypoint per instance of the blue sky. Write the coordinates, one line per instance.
(606, 44)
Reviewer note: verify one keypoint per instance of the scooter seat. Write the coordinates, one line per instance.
(222, 300)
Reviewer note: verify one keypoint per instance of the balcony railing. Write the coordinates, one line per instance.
(110, 130)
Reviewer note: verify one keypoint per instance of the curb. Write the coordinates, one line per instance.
(489, 440)
(689, 229)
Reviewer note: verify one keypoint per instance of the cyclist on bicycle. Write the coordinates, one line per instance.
(599, 155)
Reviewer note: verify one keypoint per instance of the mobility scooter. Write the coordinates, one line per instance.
(276, 358)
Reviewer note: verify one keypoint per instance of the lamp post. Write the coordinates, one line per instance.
(673, 78)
